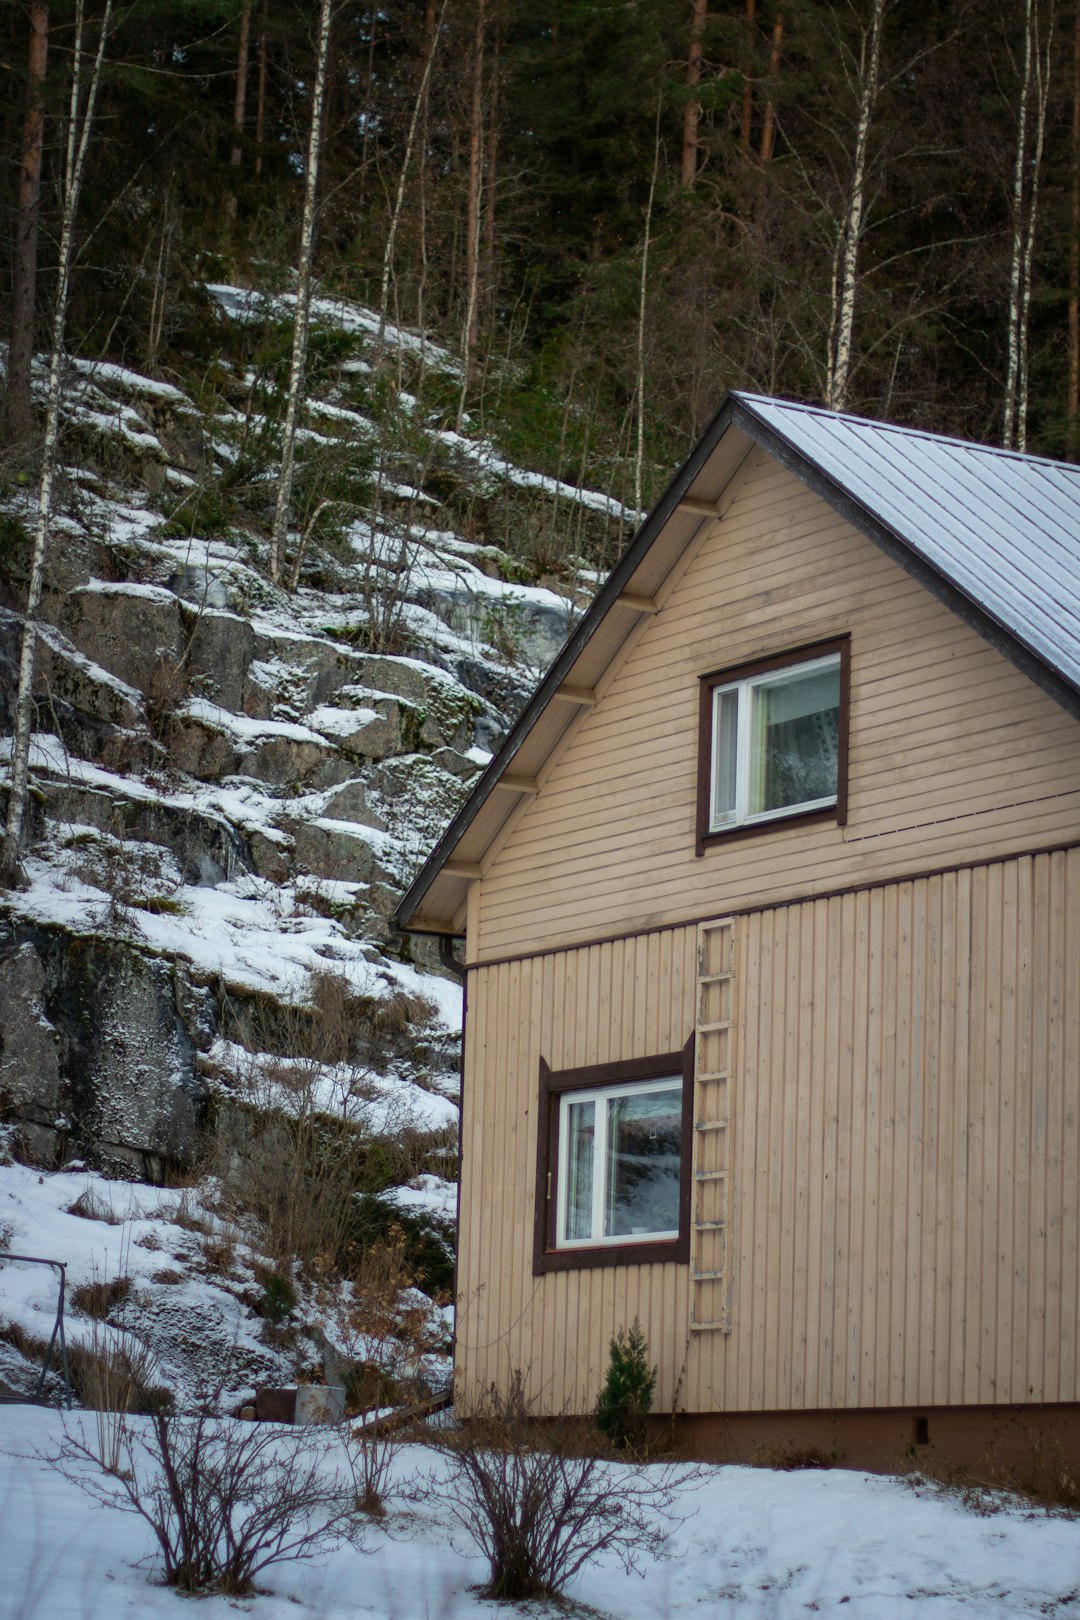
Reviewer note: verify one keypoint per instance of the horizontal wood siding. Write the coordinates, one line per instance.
(954, 754)
(904, 1142)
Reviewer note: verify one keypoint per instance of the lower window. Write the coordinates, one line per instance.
(614, 1162)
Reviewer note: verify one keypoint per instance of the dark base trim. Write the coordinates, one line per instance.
(1027, 1447)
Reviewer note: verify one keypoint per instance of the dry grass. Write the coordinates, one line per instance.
(1047, 1478)
(92, 1207)
(790, 1459)
(99, 1297)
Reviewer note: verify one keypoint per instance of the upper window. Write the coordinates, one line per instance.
(774, 740)
(613, 1163)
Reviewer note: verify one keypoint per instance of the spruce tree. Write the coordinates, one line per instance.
(627, 1390)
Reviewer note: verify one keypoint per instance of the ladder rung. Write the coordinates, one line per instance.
(706, 1327)
(713, 1074)
(713, 1029)
(709, 1175)
(716, 978)
(710, 1124)
(709, 1226)
(706, 1276)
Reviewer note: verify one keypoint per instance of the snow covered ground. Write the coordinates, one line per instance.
(753, 1544)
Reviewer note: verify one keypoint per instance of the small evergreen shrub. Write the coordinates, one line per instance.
(627, 1390)
(278, 1298)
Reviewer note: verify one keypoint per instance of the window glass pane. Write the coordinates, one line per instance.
(795, 730)
(579, 1121)
(641, 1182)
(725, 754)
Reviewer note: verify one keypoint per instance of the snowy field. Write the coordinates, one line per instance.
(753, 1543)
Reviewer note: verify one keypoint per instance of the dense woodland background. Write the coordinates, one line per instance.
(613, 209)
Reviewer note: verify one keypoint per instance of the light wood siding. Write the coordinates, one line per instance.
(904, 1143)
(954, 754)
(598, 1005)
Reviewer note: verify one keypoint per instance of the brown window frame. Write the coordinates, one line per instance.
(554, 1085)
(836, 814)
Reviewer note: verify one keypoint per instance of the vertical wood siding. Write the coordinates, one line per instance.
(953, 752)
(904, 1142)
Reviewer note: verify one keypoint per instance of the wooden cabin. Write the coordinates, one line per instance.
(771, 911)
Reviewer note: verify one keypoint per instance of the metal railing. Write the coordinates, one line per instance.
(60, 1267)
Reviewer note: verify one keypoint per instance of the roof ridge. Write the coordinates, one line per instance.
(746, 398)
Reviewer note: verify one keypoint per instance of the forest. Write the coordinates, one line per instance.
(612, 210)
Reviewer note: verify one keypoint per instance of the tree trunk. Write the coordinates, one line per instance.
(768, 128)
(692, 112)
(851, 231)
(301, 324)
(403, 175)
(491, 162)
(240, 103)
(260, 98)
(1073, 402)
(746, 121)
(1043, 66)
(639, 456)
(1030, 135)
(472, 209)
(78, 136)
(24, 260)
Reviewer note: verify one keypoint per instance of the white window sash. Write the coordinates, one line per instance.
(601, 1097)
(745, 754)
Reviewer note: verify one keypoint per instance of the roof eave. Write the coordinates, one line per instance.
(563, 663)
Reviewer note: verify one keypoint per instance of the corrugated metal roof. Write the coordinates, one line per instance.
(1004, 528)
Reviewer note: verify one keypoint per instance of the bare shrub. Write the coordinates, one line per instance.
(370, 1449)
(166, 689)
(541, 1503)
(224, 1499)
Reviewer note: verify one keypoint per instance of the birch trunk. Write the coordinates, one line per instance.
(24, 259)
(838, 371)
(639, 456)
(78, 135)
(1043, 61)
(470, 330)
(298, 359)
(692, 112)
(491, 163)
(1012, 339)
(403, 175)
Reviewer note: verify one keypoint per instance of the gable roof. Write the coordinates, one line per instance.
(992, 533)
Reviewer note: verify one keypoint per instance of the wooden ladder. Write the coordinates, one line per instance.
(710, 1296)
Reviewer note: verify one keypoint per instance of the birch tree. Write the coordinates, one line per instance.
(432, 34)
(24, 258)
(470, 330)
(79, 123)
(301, 325)
(850, 234)
(1034, 95)
(643, 289)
